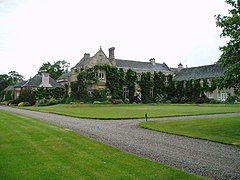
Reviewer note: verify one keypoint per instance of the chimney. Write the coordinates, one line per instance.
(111, 56)
(45, 80)
(153, 62)
(86, 55)
(180, 67)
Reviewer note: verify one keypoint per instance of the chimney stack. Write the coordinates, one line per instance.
(111, 56)
(45, 80)
(153, 62)
(86, 55)
(180, 67)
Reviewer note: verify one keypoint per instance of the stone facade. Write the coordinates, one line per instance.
(100, 58)
(180, 73)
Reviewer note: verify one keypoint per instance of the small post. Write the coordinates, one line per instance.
(146, 117)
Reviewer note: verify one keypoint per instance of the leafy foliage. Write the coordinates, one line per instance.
(231, 51)
(159, 86)
(145, 84)
(85, 78)
(54, 70)
(130, 80)
(115, 81)
(9, 79)
(28, 95)
(170, 89)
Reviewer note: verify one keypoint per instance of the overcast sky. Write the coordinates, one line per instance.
(33, 32)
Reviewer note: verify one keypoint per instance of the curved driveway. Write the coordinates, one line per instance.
(205, 158)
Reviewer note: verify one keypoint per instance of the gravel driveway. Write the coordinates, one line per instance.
(209, 159)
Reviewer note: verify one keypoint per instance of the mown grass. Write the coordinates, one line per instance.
(33, 149)
(220, 129)
(136, 110)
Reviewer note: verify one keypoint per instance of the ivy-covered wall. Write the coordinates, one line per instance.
(155, 87)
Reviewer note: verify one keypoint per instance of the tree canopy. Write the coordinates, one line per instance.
(54, 70)
(230, 58)
(9, 79)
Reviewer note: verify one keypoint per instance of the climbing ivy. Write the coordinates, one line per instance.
(159, 86)
(145, 84)
(170, 89)
(189, 90)
(130, 81)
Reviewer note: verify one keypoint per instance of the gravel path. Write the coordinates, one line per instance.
(208, 159)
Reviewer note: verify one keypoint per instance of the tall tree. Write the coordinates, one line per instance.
(9, 79)
(54, 70)
(230, 57)
(14, 77)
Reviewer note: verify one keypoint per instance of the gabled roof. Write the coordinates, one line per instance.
(64, 76)
(20, 84)
(201, 72)
(36, 81)
(142, 66)
(87, 58)
(9, 88)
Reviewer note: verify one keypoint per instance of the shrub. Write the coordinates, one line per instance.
(68, 100)
(52, 101)
(232, 99)
(126, 101)
(27, 95)
(21, 104)
(213, 101)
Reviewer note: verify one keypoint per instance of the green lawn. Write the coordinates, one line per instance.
(220, 129)
(136, 110)
(33, 149)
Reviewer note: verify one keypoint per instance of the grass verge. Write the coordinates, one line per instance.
(33, 149)
(219, 129)
(128, 111)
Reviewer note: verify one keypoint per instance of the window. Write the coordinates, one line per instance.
(151, 92)
(90, 93)
(76, 70)
(108, 93)
(222, 96)
(100, 75)
(125, 92)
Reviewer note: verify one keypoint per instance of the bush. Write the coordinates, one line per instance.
(232, 99)
(27, 95)
(52, 101)
(126, 101)
(21, 104)
(14, 102)
(68, 100)
(213, 101)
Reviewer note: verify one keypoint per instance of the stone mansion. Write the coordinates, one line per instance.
(180, 74)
